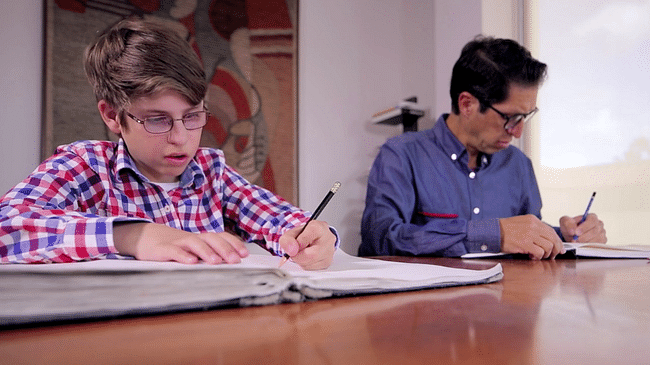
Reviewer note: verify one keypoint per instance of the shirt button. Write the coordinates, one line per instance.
(484, 247)
(476, 210)
(454, 156)
(472, 175)
(484, 159)
(168, 208)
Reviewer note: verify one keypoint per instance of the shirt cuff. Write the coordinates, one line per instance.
(483, 236)
(88, 238)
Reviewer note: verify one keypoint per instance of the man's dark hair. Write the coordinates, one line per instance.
(488, 66)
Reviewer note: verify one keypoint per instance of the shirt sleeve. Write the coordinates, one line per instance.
(43, 218)
(259, 214)
(388, 225)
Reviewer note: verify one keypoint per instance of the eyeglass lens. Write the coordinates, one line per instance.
(164, 124)
(514, 120)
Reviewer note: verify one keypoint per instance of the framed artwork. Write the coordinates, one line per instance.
(249, 52)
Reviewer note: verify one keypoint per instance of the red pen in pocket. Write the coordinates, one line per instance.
(438, 215)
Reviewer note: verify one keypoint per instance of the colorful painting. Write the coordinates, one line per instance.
(248, 49)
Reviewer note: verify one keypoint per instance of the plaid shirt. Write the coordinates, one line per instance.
(65, 210)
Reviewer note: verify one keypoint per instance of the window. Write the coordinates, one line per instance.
(593, 129)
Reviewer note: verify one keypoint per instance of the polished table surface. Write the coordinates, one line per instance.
(542, 312)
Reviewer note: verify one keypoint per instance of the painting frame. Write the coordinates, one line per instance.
(255, 125)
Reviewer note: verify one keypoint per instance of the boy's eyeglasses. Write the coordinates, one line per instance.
(514, 120)
(164, 123)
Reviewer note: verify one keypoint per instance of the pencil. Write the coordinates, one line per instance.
(317, 212)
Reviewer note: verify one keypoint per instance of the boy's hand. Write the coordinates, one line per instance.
(313, 249)
(157, 242)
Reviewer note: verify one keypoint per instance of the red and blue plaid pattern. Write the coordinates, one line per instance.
(65, 210)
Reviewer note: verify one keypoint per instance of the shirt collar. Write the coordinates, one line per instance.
(192, 176)
(123, 161)
(450, 144)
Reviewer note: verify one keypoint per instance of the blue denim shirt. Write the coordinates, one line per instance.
(423, 199)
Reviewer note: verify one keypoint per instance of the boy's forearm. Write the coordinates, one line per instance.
(127, 235)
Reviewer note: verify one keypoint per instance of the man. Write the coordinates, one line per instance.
(154, 195)
(460, 187)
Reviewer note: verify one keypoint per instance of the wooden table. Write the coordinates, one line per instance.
(548, 312)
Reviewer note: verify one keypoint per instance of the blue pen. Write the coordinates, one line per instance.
(584, 216)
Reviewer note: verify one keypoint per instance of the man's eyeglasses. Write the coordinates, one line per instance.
(164, 123)
(514, 120)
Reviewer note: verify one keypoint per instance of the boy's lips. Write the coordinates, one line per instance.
(176, 159)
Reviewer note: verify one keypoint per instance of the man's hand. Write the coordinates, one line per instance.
(157, 242)
(313, 249)
(591, 230)
(528, 235)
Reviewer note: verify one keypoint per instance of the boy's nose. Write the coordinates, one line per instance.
(178, 133)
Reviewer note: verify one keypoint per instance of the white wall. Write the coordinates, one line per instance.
(21, 29)
(355, 58)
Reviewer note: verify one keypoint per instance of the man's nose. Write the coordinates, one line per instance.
(516, 131)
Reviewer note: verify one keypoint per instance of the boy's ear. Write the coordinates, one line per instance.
(109, 116)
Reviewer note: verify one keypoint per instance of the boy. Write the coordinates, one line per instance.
(154, 195)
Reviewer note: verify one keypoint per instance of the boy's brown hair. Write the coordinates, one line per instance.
(139, 57)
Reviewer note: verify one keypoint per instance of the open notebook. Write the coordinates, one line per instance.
(110, 288)
(588, 250)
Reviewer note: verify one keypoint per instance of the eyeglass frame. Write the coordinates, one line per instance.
(171, 125)
(522, 117)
